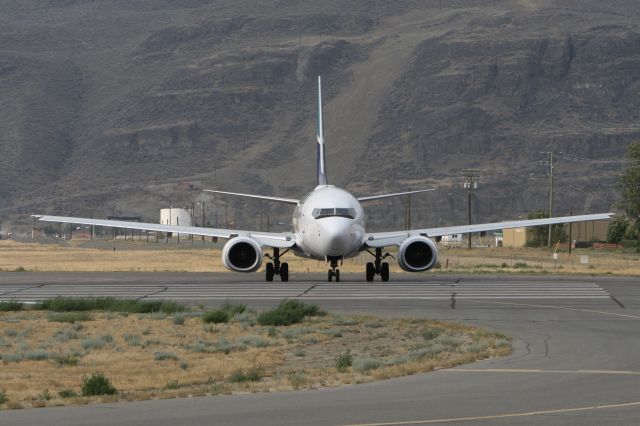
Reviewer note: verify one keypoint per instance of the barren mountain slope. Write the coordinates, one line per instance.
(144, 103)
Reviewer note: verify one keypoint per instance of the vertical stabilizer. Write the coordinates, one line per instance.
(322, 171)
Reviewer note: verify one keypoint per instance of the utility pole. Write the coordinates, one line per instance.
(470, 183)
(407, 212)
(570, 229)
(551, 167)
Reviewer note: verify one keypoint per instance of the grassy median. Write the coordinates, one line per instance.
(63, 352)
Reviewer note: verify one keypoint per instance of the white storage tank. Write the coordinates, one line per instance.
(175, 217)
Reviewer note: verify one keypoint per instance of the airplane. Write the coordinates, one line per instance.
(328, 225)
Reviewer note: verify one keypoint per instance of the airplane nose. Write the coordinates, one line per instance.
(335, 235)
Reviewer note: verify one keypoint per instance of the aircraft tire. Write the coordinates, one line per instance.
(371, 271)
(330, 275)
(270, 272)
(337, 274)
(384, 271)
(284, 272)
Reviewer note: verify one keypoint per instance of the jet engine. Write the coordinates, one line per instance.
(242, 254)
(417, 254)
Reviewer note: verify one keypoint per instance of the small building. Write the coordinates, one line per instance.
(592, 230)
(176, 217)
(515, 237)
(452, 240)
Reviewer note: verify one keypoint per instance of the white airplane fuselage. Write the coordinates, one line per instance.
(329, 222)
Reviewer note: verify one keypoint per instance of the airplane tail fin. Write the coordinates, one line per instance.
(322, 172)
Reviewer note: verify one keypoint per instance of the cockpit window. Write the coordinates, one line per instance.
(338, 212)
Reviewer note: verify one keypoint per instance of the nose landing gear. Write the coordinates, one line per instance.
(334, 271)
(378, 267)
(277, 268)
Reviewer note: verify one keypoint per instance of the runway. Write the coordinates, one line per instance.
(575, 360)
(189, 287)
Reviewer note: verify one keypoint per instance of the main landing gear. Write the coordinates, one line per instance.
(378, 267)
(277, 268)
(334, 271)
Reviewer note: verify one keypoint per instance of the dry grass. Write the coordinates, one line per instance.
(149, 356)
(138, 256)
(540, 260)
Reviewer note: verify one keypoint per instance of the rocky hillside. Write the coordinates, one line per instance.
(145, 103)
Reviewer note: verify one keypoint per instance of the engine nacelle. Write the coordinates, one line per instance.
(242, 254)
(417, 254)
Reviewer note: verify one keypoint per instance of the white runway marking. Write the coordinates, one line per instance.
(313, 291)
(503, 416)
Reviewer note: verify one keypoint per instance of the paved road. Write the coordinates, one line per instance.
(576, 358)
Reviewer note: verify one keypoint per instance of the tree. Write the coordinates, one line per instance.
(629, 185)
(617, 229)
(540, 234)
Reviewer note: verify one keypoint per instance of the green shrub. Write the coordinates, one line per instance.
(97, 384)
(69, 317)
(343, 321)
(253, 374)
(449, 340)
(216, 317)
(334, 332)
(430, 333)
(288, 312)
(617, 228)
(68, 359)
(98, 342)
(172, 384)
(10, 332)
(65, 335)
(366, 364)
(165, 356)
(178, 319)
(67, 304)
(520, 265)
(36, 355)
(233, 308)
(15, 357)
(501, 343)
(3, 397)
(475, 348)
(344, 361)
(131, 339)
(67, 393)
(254, 341)
(295, 332)
(45, 395)
(10, 305)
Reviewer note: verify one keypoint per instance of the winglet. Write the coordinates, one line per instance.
(322, 172)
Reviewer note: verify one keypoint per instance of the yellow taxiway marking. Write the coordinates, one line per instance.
(501, 416)
(535, 370)
(559, 307)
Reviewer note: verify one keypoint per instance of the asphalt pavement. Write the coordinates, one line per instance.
(576, 358)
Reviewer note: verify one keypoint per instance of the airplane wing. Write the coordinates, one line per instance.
(258, 197)
(397, 194)
(270, 239)
(382, 239)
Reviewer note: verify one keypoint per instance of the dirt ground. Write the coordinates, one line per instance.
(145, 356)
(193, 257)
